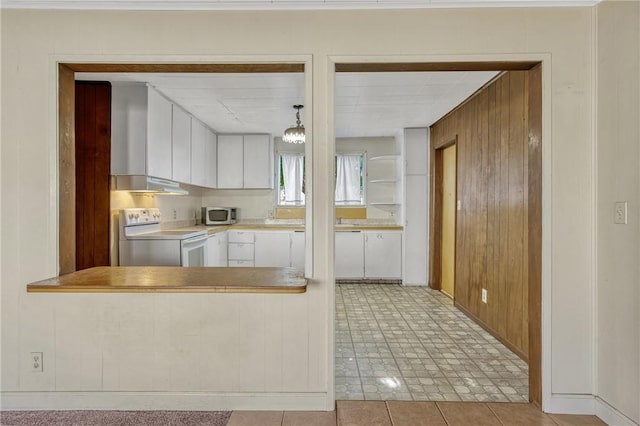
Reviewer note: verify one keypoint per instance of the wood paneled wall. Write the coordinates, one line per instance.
(491, 130)
(93, 162)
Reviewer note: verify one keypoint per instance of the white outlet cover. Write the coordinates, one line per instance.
(620, 214)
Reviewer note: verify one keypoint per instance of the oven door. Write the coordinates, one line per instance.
(194, 251)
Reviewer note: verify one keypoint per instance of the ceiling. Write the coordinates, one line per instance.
(367, 104)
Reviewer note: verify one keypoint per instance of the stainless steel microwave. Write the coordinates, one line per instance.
(219, 215)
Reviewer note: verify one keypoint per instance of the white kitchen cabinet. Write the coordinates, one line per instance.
(217, 249)
(245, 161)
(240, 248)
(211, 159)
(349, 254)
(258, 162)
(273, 248)
(198, 153)
(159, 113)
(140, 131)
(416, 207)
(383, 254)
(297, 250)
(230, 161)
(181, 145)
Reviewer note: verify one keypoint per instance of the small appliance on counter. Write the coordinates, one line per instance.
(143, 243)
(219, 215)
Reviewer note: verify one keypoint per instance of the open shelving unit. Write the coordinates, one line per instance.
(390, 206)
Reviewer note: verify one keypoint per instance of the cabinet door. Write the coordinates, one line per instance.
(272, 249)
(349, 254)
(159, 113)
(258, 160)
(297, 250)
(198, 152)
(211, 159)
(128, 129)
(230, 165)
(213, 250)
(224, 248)
(383, 255)
(181, 144)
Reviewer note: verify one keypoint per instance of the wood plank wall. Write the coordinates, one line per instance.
(93, 162)
(492, 226)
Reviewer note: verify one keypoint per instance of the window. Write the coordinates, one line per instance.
(291, 187)
(349, 179)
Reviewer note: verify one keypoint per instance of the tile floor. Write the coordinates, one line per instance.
(398, 342)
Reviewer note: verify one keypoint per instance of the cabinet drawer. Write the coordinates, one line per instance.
(241, 237)
(245, 263)
(240, 251)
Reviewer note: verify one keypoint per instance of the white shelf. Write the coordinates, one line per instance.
(384, 157)
(383, 181)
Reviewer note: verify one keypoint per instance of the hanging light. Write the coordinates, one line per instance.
(295, 134)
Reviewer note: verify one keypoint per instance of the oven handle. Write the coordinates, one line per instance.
(194, 240)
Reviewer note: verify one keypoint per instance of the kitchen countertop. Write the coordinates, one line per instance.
(290, 227)
(174, 279)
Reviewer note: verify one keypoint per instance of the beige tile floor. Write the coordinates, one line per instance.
(411, 413)
(397, 342)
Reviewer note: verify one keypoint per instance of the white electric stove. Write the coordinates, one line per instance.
(143, 243)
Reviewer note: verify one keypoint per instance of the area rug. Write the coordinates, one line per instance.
(114, 418)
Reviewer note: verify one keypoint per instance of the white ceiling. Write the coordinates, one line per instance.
(367, 104)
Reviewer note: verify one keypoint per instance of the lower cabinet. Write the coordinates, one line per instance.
(217, 249)
(241, 248)
(297, 250)
(349, 254)
(383, 254)
(273, 248)
(279, 249)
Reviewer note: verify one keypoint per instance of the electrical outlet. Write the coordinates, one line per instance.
(621, 213)
(484, 295)
(175, 214)
(36, 362)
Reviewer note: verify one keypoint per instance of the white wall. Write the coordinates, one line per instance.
(618, 246)
(32, 40)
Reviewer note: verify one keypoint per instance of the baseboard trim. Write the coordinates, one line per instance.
(571, 404)
(197, 401)
(491, 331)
(610, 415)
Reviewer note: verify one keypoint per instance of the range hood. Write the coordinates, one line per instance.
(138, 183)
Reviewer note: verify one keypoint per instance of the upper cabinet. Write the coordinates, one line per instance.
(181, 145)
(159, 112)
(245, 161)
(153, 136)
(230, 168)
(140, 131)
(203, 155)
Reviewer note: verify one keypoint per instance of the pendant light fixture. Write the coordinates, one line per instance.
(295, 134)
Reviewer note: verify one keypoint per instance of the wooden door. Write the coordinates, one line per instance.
(448, 245)
(93, 159)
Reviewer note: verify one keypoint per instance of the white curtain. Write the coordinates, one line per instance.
(292, 173)
(348, 179)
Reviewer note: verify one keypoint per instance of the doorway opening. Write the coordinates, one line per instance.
(415, 342)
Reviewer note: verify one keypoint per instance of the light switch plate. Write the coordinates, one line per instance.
(620, 214)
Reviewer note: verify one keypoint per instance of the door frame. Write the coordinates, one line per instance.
(435, 200)
(539, 182)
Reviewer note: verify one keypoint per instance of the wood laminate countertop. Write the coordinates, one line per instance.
(174, 279)
(289, 227)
